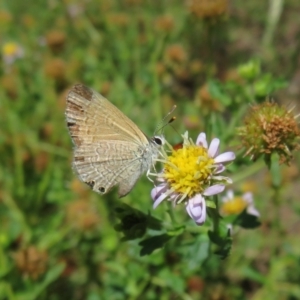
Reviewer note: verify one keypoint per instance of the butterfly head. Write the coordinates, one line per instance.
(158, 140)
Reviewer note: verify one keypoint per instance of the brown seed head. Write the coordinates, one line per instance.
(31, 261)
(175, 53)
(56, 40)
(270, 128)
(82, 215)
(164, 23)
(208, 9)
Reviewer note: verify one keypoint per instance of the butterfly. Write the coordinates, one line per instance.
(110, 150)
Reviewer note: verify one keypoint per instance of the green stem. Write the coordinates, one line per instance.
(275, 172)
(156, 85)
(196, 229)
(18, 216)
(171, 214)
(215, 217)
(274, 13)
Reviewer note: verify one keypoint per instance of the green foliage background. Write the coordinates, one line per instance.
(57, 238)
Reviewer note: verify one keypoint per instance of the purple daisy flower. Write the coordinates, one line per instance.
(192, 173)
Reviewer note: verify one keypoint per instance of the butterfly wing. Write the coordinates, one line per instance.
(102, 167)
(109, 147)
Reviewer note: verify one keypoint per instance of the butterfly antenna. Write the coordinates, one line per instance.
(171, 121)
(163, 124)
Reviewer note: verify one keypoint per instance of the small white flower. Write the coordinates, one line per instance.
(11, 51)
(235, 205)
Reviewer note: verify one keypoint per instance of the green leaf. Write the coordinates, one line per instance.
(37, 289)
(247, 221)
(223, 243)
(253, 274)
(217, 91)
(196, 251)
(134, 223)
(6, 291)
(176, 231)
(156, 242)
(210, 204)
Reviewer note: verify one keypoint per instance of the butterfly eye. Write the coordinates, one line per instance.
(158, 140)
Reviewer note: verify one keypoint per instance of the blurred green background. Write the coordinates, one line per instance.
(57, 238)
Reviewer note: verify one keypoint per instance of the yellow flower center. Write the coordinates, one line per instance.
(10, 49)
(188, 170)
(234, 206)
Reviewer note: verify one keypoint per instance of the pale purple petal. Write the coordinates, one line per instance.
(223, 179)
(225, 157)
(229, 195)
(214, 189)
(174, 196)
(156, 191)
(219, 169)
(201, 140)
(251, 210)
(213, 149)
(248, 198)
(196, 209)
(159, 200)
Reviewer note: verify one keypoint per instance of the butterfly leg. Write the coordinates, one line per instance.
(148, 176)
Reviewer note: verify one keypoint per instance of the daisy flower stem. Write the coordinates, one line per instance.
(171, 214)
(216, 217)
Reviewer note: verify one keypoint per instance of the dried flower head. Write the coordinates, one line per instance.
(41, 161)
(118, 19)
(9, 83)
(195, 284)
(268, 129)
(208, 8)
(5, 17)
(164, 23)
(175, 53)
(78, 188)
(31, 262)
(206, 101)
(132, 2)
(55, 69)
(56, 40)
(190, 173)
(196, 66)
(29, 21)
(82, 215)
